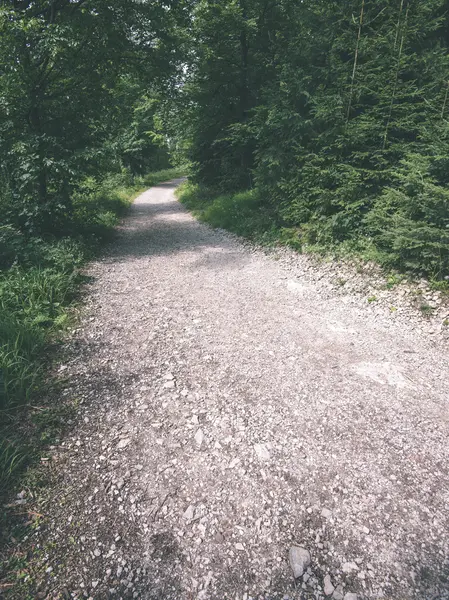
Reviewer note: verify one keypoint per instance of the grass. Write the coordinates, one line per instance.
(244, 213)
(38, 288)
(426, 310)
(249, 215)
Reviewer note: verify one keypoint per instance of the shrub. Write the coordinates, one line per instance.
(243, 213)
(410, 221)
(11, 245)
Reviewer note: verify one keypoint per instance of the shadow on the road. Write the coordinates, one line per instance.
(166, 228)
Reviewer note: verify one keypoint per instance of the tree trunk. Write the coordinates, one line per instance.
(244, 92)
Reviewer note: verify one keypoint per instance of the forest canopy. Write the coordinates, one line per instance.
(334, 114)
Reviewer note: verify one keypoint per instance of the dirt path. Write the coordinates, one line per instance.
(230, 411)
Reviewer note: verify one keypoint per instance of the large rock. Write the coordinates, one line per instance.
(328, 587)
(262, 452)
(348, 567)
(199, 437)
(299, 559)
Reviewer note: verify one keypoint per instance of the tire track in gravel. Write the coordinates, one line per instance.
(229, 411)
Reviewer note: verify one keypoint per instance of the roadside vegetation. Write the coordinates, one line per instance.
(246, 214)
(328, 121)
(81, 133)
(40, 279)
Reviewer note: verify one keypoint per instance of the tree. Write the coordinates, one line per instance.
(62, 92)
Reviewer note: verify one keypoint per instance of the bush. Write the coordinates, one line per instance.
(11, 245)
(410, 221)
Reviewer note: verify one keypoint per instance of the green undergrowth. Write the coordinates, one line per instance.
(40, 280)
(252, 216)
(161, 176)
(243, 213)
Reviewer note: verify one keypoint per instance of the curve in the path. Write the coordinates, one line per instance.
(232, 412)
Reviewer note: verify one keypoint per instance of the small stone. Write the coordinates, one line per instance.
(97, 552)
(350, 596)
(338, 593)
(348, 567)
(299, 559)
(262, 452)
(326, 513)
(169, 385)
(123, 443)
(328, 587)
(239, 546)
(189, 513)
(199, 437)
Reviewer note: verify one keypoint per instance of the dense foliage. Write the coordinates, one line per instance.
(80, 129)
(79, 117)
(77, 99)
(336, 112)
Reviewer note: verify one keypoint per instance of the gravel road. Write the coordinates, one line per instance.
(232, 409)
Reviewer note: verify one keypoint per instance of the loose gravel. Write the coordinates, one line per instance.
(249, 428)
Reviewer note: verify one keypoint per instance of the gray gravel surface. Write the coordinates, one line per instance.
(238, 415)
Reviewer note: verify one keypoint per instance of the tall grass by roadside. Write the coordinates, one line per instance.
(252, 216)
(39, 281)
(244, 213)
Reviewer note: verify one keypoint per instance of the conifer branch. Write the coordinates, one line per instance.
(396, 78)
(445, 100)
(359, 35)
(398, 25)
